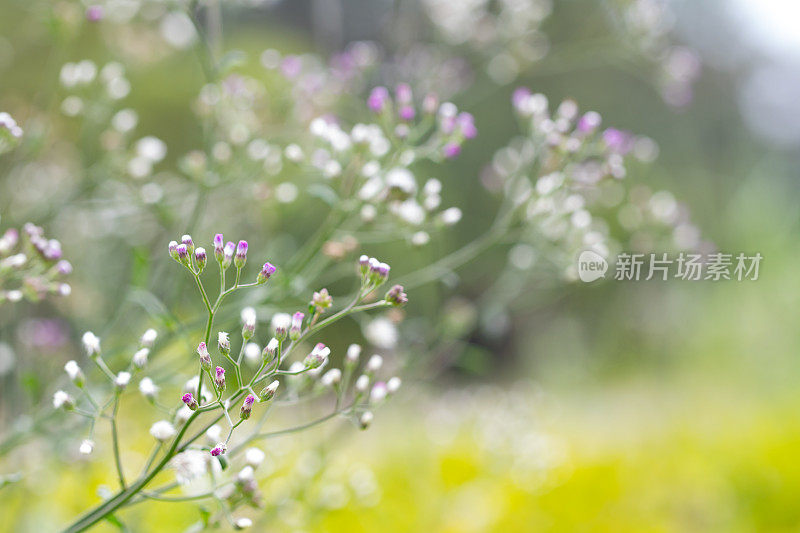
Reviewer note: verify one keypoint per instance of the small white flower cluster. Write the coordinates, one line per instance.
(92, 87)
(583, 202)
(31, 265)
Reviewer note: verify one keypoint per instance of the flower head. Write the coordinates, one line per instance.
(220, 449)
(188, 242)
(200, 258)
(122, 379)
(269, 391)
(205, 357)
(86, 447)
(396, 296)
(248, 323)
(162, 430)
(321, 300)
(140, 357)
(317, 357)
(266, 272)
(224, 342)
(297, 326)
(62, 400)
(219, 248)
(247, 407)
(219, 379)
(75, 374)
(91, 343)
(241, 254)
(148, 338)
(148, 388)
(378, 99)
(190, 401)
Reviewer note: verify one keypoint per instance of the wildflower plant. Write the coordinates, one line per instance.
(224, 390)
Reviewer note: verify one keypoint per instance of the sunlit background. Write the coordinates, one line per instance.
(615, 406)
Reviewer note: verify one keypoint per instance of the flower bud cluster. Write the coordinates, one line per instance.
(31, 265)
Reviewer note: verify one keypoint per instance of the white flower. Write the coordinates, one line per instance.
(331, 377)
(183, 414)
(401, 179)
(148, 388)
(254, 457)
(248, 316)
(450, 216)
(393, 385)
(62, 399)
(242, 523)
(362, 383)
(122, 379)
(72, 369)
(293, 153)
(281, 320)
(189, 465)
(420, 238)
(149, 337)
(246, 474)
(382, 333)
(375, 363)
(353, 353)
(252, 352)
(410, 211)
(140, 357)
(91, 343)
(86, 447)
(162, 430)
(378, 392)
(151, 148)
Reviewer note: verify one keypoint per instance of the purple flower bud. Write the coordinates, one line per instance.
(466, 123)
(317, 357)
(64, 267)
(228, 254)
(241, 254)
(200, 258)
(52, 250)
(297, 325)
(451, 150)
(617, 140)
(403, 93)
(363, 264)
(94, 13)
(266, 272)
(589, 122)
(378, 98)
(407, 113)
(519, 98)
(247, 407)
(205, 357)
(430, 103)
(219, 248)
(396, 296)
(187, 240)
(220, 449)
(219, 379)
(269, 391)
(183, 254)
(321, 300)
(270, 350)
(190, 402)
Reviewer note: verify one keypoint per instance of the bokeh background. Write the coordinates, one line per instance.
(640, 406)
